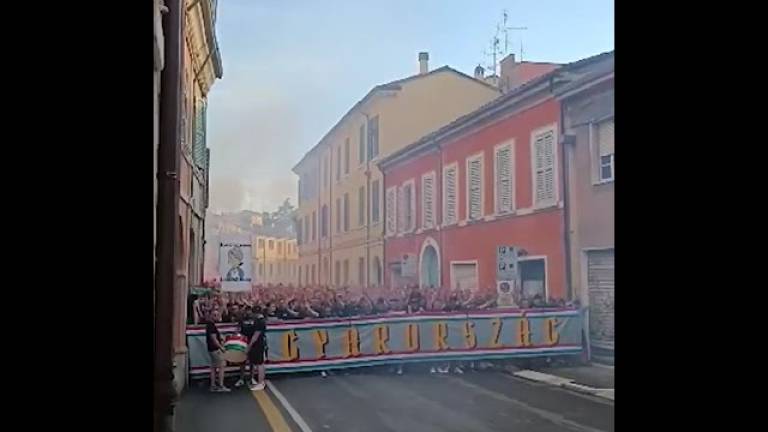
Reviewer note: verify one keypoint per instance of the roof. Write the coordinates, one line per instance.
(494, 108)
(390, 86)
(600, 73)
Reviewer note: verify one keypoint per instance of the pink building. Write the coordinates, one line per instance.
(491, 178)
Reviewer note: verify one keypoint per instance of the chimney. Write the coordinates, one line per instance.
(423, 62)
(479, 72)
(507, 79)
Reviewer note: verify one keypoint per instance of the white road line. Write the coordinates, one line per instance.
(289, 408)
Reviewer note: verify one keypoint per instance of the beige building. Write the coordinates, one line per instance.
(275, 260)
(341, 208)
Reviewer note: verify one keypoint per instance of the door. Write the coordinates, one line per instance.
(600, 283)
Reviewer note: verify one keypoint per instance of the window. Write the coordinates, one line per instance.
(361, 145)
(450, 195)
(279, 247)
(299, 270)
(271, 245)
(408, 206)
(533, 277)
(261, 269)
(464, 275)
(338, 163)
(474, 181)
(346, 212)
(544, 168)
(306, 229)
(337, 273)
(373, 138)
(361, 271)
(346, 156)
(375, 201)
(391, 209)
(326, 270)
(314, 225)
(338, 215)
(324, 221)
(299, 232)
(361, 206)
(606, 150)
(313, 274)
(271, 267)
(279, 269)
(326, 173)
(428, 200)
(261, 243)
(346, 272)
(503, 188)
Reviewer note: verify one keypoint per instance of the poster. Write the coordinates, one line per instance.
(506, 263)
(235, 264)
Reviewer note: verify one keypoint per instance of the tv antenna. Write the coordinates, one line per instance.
(506, 30)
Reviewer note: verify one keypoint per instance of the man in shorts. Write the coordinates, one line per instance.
(215, 352)
(253, 326)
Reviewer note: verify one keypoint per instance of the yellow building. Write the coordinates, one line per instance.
(275, 260)
(339, 222)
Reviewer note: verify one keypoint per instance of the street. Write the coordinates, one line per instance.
(382, 402)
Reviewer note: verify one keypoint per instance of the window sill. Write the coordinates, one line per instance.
(602, 182)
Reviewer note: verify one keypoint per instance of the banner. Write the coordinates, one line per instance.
(235, 263)
(332, 344)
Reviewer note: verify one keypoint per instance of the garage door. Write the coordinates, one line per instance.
(600, 281)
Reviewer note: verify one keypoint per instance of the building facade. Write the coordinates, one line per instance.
(588, 106)
(340, 218)
(275, 261)
(491, 178)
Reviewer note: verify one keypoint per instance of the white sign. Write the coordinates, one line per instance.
(235, 263)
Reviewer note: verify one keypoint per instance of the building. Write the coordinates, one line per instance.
(491, 178)
(187, 62)
(275, 261)
(588, 105)
(340, 218)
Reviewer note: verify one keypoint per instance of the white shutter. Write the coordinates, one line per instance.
(503, 186)
(544, 148)
(428, 201)
(605, 137)
(450, 198)
(391, 210)
(401, 210)
(475, 184)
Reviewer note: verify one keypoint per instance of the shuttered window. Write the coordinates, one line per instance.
(361, 206)
(375, 201)
(428, 200)
(409, 206)
(450, 195)
(391, 210)
(361, 271)
(475, 187)
(606, 149)
(503, 179)
(346, 212)
(338, 163)
(346, 156)
(544, 168)
(401, 210)
(361, 146)
(338, 215)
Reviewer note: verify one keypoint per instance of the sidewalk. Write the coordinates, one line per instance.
(596, 380)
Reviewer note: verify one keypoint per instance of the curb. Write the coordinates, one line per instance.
(565, 383)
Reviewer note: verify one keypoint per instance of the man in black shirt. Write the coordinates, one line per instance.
(253, 327)
(215, 350)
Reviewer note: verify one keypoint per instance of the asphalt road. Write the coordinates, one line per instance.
(383, 402)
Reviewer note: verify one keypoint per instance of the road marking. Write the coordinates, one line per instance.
(288, 407)
(600, 396)
(547, 415)
(274, 417)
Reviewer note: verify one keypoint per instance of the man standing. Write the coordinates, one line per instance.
(253, 328)
(215, 351)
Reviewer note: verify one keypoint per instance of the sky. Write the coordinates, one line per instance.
(293, 68)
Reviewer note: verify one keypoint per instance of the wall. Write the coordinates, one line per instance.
(591, 205)
(539, 231)
(423, 105)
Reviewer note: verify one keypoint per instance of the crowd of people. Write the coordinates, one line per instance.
(293, 303)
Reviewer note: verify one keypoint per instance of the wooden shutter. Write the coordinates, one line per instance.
(544, 149)
(449, 205)
(401, 210)
(391, 210)
(503, 181)
(346, 212)
(427, 201)
(475, 184)
(346, 156)
(605, 137)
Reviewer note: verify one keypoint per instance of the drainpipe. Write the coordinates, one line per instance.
(320, 215)
(369, 205)
(566, 140)
(167, 211)
(442, 216)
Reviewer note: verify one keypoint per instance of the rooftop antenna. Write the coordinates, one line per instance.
(506, 30)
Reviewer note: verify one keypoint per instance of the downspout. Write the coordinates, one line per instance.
(320, 215)
(330, 218)
(566, 141)
(167, 211)
(442, 216)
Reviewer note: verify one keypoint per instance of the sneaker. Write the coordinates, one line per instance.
(256, 387)
(457, 370)
(432, 370)
(323, 374)
(443, 370)
(253, 382)
(213, 389)
(223, 389)
(239, 383)
(400, 370)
